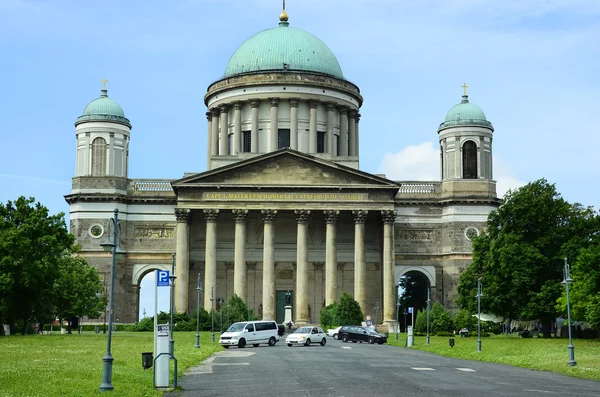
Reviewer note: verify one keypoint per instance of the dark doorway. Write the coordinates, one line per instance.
(414, 295)
(280, 306)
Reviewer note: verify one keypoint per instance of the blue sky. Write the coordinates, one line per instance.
(532, 66)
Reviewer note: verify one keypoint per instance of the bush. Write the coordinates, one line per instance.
(440, 320)
(348, 311)
(328, 316)
(464, 319)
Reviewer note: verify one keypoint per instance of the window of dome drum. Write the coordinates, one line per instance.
(321, 141)
(99, 157)
(469, 158)
(283, 138)
(246, 141)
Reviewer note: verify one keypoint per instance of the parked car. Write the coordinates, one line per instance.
(361, 334)
(306, 336)
(334, 332)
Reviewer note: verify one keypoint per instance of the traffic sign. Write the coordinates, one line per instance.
(162, 279)
(410, 310)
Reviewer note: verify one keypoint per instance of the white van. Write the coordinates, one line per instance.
(250, 333)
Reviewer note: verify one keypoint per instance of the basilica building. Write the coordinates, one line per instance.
(282, 204)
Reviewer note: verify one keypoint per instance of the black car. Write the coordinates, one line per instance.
(360, 334)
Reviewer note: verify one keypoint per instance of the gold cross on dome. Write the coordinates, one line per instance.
(104, 83)
(465, 86)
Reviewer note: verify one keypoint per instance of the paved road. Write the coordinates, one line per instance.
(349, 369)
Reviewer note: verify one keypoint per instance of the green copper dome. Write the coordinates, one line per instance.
(283, 48)
(465, 113)
(103, 109)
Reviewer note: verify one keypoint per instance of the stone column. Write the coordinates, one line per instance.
(389, 218)
(214, 149)
(302, 267)
(357, 137)
(343, 131)
(239, 273)
(273, 133)
(237, 128)
(330, 141)
(210, 139)
(360, 266)
(312, 131)
(352, 132)
(294, 123)
(182, 259)
(269, 264)
(254, 126)
(224, 131)
(330, 256)
(210, 259)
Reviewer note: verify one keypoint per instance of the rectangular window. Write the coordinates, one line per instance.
(283, 138)
(321, 141)
(246, 141)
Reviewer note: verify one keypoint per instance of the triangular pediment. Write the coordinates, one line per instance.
(285, 167)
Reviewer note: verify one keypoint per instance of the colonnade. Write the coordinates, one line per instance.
(219, 132)
(268, 297)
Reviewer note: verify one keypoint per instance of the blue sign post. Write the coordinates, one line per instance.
(162, 279)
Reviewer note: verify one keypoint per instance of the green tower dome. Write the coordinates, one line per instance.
(465, 113)
(103, 109)
(283, 48)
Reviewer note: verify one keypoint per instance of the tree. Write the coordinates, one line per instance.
(348, 310)
(31, 245)
(519, 257)
(78, 290)
(329, 316)
(414, 286)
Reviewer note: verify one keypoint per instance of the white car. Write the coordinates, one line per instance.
(306, 336)
(334, 332)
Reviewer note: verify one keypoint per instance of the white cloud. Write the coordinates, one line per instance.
(422, 163)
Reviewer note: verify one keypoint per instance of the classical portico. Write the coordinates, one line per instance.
(331, 201)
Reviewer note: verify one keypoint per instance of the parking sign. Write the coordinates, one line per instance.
(162, 279)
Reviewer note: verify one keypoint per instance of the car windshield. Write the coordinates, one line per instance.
(303, 330)
(236, 327)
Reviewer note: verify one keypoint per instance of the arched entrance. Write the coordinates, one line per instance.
(411, 294)
(144, 278)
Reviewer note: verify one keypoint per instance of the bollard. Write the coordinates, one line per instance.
(451, 342)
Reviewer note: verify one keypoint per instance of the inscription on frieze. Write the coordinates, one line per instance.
(280, 196)
(285, 274)
(154, 232)
(414, 234)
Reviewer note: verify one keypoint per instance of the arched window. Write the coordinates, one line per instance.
(469, 160)
(99, 157)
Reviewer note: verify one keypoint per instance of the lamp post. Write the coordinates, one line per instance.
(221, 312)
(172, 278)
(405, 323)
(113, 246)
(198, 290)
(566, 281)
(398, 312)
(144, 313)
(479, 295)
(212, 312)
(428, 310)
(376, 311)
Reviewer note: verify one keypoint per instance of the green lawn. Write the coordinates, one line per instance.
(71, 365)
(537, 354)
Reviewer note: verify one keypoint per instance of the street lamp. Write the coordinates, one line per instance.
(212, 312)
(566, 281)
(113, 246)
(376, 311)
(221, 312)
(479, 295)
(198, 290)
(428, 310)
(172, 278)
(398, 312)
(405, 323)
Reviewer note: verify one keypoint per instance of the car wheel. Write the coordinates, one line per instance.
(323, 342)
(371, 340)
(344, 338)
(353, 341)
(307, 343)
(255, 344)
(242, 343)
(336, 337)
(225, 346)
(380, 342)
(272, 341)
(289, 345)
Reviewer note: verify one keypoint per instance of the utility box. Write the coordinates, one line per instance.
(161, 362)
(410, 339)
